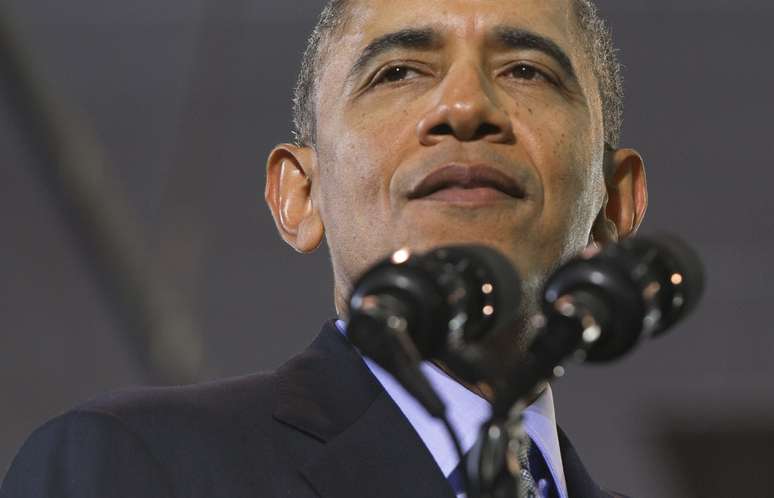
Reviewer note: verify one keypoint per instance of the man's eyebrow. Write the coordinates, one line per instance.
(409, 38)
(517, 38)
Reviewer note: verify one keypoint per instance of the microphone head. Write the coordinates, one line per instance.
(453, 293)
(486, 289)
(403, 286)
(411, 307)
(640, 286)
(603, 284)
(677, 270)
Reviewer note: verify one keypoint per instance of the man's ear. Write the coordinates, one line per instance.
(290, 171)
(627, 197)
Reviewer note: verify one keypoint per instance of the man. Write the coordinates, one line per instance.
(419, 124)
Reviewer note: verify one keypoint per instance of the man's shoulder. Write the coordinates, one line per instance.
(252, 394)
(167, 437)
(209, 414)
(162, 411)
(231, 437)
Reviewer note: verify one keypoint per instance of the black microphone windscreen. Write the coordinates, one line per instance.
(685, 274)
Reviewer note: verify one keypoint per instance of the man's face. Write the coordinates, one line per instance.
(470, 87)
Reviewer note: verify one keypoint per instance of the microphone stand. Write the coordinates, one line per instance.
(493, 465)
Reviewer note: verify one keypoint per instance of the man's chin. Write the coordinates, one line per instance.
(461, 235)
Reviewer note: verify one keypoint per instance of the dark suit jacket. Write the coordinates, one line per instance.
(320, 426)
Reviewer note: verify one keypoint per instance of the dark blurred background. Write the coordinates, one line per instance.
(184, 99)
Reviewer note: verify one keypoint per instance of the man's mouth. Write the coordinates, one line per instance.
(467, 184)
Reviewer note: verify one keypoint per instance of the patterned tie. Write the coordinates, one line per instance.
(527, 486)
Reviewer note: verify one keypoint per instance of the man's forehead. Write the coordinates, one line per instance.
(466, 21)
(472, 19)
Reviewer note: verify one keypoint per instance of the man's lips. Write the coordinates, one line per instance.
(457, 195)
(462, 183)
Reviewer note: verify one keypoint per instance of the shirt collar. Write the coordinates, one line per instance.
(466, 412)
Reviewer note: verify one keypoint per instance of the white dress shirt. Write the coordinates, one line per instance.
(466, 412)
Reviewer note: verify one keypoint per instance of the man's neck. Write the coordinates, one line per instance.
(482, 389)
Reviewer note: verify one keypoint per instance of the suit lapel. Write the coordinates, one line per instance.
(370, 448)
(379, 456)
(579, 482)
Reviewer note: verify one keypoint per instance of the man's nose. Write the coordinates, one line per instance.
(465, 109)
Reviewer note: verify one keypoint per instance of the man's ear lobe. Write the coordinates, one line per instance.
(627, 196)
(290, 171)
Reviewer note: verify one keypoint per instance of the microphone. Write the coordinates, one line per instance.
(637, 288)
(598, 306)
(411, 307)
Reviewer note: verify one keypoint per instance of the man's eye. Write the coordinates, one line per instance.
(395, 74)
(527, 72)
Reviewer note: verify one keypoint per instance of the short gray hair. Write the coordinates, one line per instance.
(595, 37)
